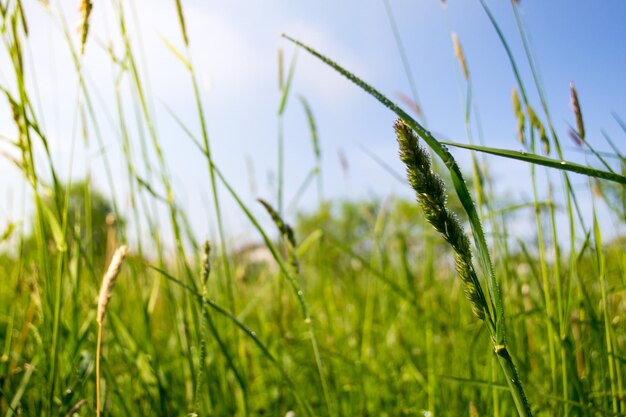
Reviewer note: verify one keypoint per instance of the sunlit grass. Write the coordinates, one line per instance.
(354, 308)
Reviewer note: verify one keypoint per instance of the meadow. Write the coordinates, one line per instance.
(432, 306)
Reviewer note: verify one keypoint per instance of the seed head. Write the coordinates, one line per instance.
(521, 119)
(431, 197)
(535, 123)
(458, 51)
(285, 230)
(83, 26)
(577, 114)
(206, 262)
(106, 290)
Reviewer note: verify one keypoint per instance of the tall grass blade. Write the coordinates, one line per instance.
(457, 179)
(544, 161)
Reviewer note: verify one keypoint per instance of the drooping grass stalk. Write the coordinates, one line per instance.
(494, 308)
(534, 159)
(431, 197)
(455, 172)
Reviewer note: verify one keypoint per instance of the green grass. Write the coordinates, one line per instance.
(355, 308)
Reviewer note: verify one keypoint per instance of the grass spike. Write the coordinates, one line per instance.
(577, 113)
(106, 291)
(521, 119)
(458, 52)
(83, 26)
(431, 196)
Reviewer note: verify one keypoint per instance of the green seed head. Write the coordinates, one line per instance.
(431, 197)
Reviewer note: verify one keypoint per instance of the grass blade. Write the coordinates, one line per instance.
(457, 179)
(542, 160)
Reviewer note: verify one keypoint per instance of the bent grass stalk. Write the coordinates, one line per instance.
(431, 196)
(495, 319)
(106, 291)
(455, 172)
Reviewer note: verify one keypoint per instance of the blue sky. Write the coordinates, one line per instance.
(234, 49)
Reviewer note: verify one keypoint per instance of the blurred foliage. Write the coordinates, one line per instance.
(91, 221)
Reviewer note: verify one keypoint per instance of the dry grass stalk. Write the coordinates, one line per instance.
(109, 281)
(458, 51)
(106, 290)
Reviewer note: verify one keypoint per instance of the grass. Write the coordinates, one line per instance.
(354, 308)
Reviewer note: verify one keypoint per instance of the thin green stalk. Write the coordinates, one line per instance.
(76, 59)
(284, 88)
(316, 149)
(208, 303)
(207, 149)
(429, 188)
(601, 270)
(457, 179)
(403, 57)
(285, 270)
(544, 276)
(560, 309)
(494, 309)
(570, 199)
(172, 208)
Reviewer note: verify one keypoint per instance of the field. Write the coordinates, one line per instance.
(112, 304)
